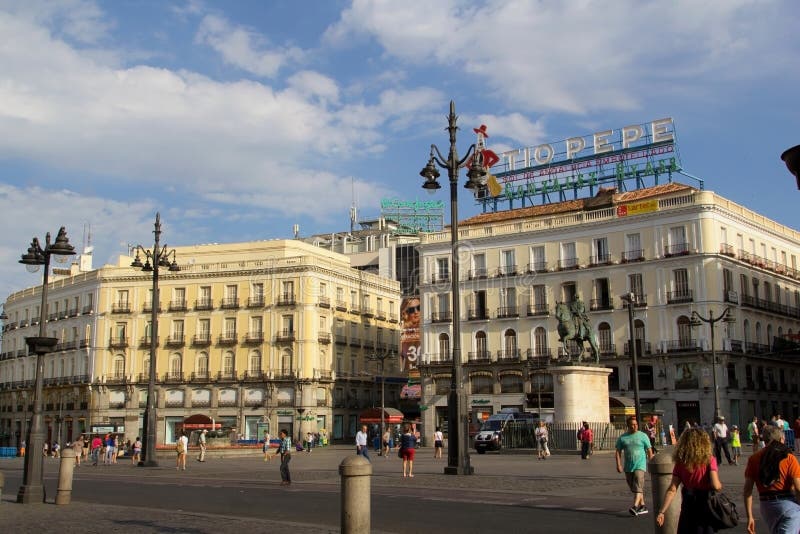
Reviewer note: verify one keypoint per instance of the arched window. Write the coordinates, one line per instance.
(255, 363)
(286, 363)
(759, 339)
(510, 344)
(119, 366)
(746, 331)
(540, 343)
(202, 365)
(604, 337)
(480, 344)
(684, 333)
(227, 364)
(769, 335)
(444, 347)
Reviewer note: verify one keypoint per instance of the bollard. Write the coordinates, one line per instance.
(356, 473)
(660, 468)
(65, 470)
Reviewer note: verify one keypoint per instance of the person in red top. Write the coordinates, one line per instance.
(776, 473)
(586, 436)
(695, 469)
(97, 444)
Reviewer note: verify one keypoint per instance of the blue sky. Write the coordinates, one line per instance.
(238, 119)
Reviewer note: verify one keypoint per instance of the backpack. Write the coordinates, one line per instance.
(179, 447)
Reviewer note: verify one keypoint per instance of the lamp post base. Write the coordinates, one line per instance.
(31, 494)
(147, 463)
(460, 470)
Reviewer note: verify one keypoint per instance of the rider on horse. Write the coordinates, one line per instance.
(579, 317)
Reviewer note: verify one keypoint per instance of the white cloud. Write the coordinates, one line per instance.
(578, 56)
(80, 20)
(313, 84)
(243, 48)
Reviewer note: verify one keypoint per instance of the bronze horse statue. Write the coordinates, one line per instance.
(568, 330)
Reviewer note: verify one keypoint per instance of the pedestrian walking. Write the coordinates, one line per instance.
(586, 437)
(696, 472)
(96, 449)
(111, 450)
(438, 442)
(542, 438)
(181, 447)
(408, 448)
(201, 441)
(44, 449)
(137, 451)
(775, 472)
(651, 429)
(265, 447)
(22, 449)
(752, 433)
(56, 449)
(361, 442)
(736, 444)
(77, 446)
(721, 441)
(634, 448)
(385, 439)
(309, 441)
(285, 450)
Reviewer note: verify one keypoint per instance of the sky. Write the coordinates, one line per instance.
(237, 120)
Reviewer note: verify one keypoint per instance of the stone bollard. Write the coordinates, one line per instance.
(660, 468)
(356, 473)
(65, 470)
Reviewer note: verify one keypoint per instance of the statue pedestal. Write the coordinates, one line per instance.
(580, 393)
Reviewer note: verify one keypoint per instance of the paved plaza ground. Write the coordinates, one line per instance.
(243, 494)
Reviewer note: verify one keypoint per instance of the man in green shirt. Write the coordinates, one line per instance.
(634, 447)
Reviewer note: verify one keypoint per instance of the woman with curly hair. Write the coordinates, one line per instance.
(695, 469)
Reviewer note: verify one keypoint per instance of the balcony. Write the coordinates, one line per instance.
(285, 336)
(286, 299)
(368, 344)
(727, 250)
(341, 305)
(254, 337)
(324, 302)
(148, 307)
(600, 305)
(567, 264)
(253, 376)
(177, 305)
(755, 348)
(256, 302)
(477, 315)
(203, 304)
(88, 309)
(682, 345)
(539, 357)
(480, 356)
(441, 317)
(173, 377)
(508, 356)
(538, 309)
(609, 350)
(227, 376)
(116, 379)
(769, 306)
(679, 297)
(440, 358)
(507, 270)
(73, 312)
(355, 309)
(367, 312)
(477, 274)
(201, 340)
(380, 315)
(341, 339)
(600, 259)
(678, 249)
(324, 337)
(229, 303)
(175, 340)
(639, 301)
(200, 376)
(120, 307)
(440, 278)
(645, 348)
(228, 338)
(537, 267)
(355, 341)
(283, 374)
(507, 312)
(118, 342)
(632, 255)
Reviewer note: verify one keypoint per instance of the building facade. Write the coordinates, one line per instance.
(676, 248)
(255, 336)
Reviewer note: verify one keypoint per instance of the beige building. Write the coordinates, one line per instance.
(256, 336)
(678, 249)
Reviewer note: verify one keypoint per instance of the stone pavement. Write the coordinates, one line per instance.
(561, 477)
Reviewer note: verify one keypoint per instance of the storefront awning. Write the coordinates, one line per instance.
(373, 415)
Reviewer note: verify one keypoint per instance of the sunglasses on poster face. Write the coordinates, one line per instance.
(412, 309)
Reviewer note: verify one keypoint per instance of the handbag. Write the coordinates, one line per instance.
(722, 511)
(400, 452)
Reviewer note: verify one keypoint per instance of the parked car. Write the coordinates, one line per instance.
(490, 436)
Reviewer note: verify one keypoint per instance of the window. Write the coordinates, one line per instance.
(602, 295)
(179, 295)
(177, 330)
(511, 383)
(204, 296)
(681, 281)
(288, 290)
(508, 301)
(202, 364)
(538, 299)
(444, 347)
(478, 266)
(540, 342)
(568, 291)
(744, 286)
(354, 300)
(442, 269)
(227, 364)
(604, 337)
(510, 343)
(231, 292)
(569, 259)
(119, 367)
(255, 363)
(122, 299)
(443, 306)
(478, 305)
(379, 305)
(684, 333)
(480, 343)
(633, 248)
(204, 328)
(175, 365)
(287, 322)
(481, 385)
(600, 251)
(256, 325)
(677, 241)
(636, 286)
(229, 327)
(508, 264)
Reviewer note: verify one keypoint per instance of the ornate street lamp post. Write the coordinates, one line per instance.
(697, 320)
(457, 418)
(381, 357)
(32, 489)
(158, 257)
(791, 158)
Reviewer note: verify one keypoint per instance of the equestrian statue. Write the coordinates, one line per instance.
(573, 323)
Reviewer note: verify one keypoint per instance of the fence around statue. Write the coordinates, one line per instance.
(563, 436)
